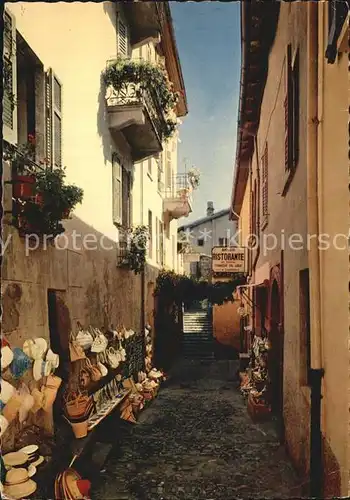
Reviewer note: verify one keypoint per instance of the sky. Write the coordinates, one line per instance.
(208, 40)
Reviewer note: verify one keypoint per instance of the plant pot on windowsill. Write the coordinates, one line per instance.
(23, 186)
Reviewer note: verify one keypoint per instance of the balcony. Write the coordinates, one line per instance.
(178, 198)
(137, 113)
(143, 18)
(140, 103)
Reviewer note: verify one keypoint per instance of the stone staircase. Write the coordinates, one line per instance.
(197, 342)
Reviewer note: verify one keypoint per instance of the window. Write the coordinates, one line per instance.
(150, 229)
(10, 79)
(291, 111)
(53, 120)
(265, 171)
(117, 190)
(122, 38)
(304, 314)
(223, 242)
(200, 242)
(126, 198)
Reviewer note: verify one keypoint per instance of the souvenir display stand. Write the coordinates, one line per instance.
(255, 382)
(108, 371)
(29, 388)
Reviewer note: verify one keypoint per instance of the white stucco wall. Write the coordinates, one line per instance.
(77, 52)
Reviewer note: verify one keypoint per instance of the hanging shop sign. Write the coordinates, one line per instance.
(228, 260)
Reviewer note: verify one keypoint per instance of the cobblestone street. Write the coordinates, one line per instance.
(196, 441)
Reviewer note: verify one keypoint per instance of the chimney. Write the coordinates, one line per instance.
(210, 208)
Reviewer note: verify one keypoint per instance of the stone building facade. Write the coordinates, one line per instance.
(294, 99)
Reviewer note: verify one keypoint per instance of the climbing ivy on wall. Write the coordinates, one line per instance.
(177, 288)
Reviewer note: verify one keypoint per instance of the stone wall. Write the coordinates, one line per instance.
(90, 288)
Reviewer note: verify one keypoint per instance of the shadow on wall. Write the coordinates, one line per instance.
(102, 122)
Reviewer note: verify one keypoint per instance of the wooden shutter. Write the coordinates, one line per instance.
(288, 111)
(296, 109)
(117, 190)
(53, 119)
(265, 170)
(126, 198)
(123, 43)
(10, 79)
(48, 119)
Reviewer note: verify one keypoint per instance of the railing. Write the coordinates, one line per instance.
(131, 94)
(180, 188)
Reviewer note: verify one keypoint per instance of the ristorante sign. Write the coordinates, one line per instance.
(228, 260)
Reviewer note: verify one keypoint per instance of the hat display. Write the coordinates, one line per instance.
(18, 484)
(35, 348)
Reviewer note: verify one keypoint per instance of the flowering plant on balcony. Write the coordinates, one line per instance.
(53, 201)
(148, 76)
(193, 176)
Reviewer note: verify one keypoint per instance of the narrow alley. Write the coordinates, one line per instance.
(196, 441)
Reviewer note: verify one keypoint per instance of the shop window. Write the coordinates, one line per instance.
(304, 314)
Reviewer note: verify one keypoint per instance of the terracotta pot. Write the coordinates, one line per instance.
(23, 186)
(50, 394)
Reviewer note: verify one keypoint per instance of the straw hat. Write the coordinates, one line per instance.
(73, 485)
(53, 358)
(7, 391)
(6, 357)
(41, 368)
(35, 348)
(18, 485)
(38, 399)
(15, 459)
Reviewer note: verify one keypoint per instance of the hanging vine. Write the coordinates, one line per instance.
(178, 288)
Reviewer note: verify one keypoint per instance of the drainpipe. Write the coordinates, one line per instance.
(316, 370)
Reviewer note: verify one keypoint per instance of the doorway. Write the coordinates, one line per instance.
(59, 328)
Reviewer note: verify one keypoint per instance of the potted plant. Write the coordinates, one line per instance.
(193, 177)
(22, 160)
(52, 202)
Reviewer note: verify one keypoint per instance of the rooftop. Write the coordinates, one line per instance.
(208, 218)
